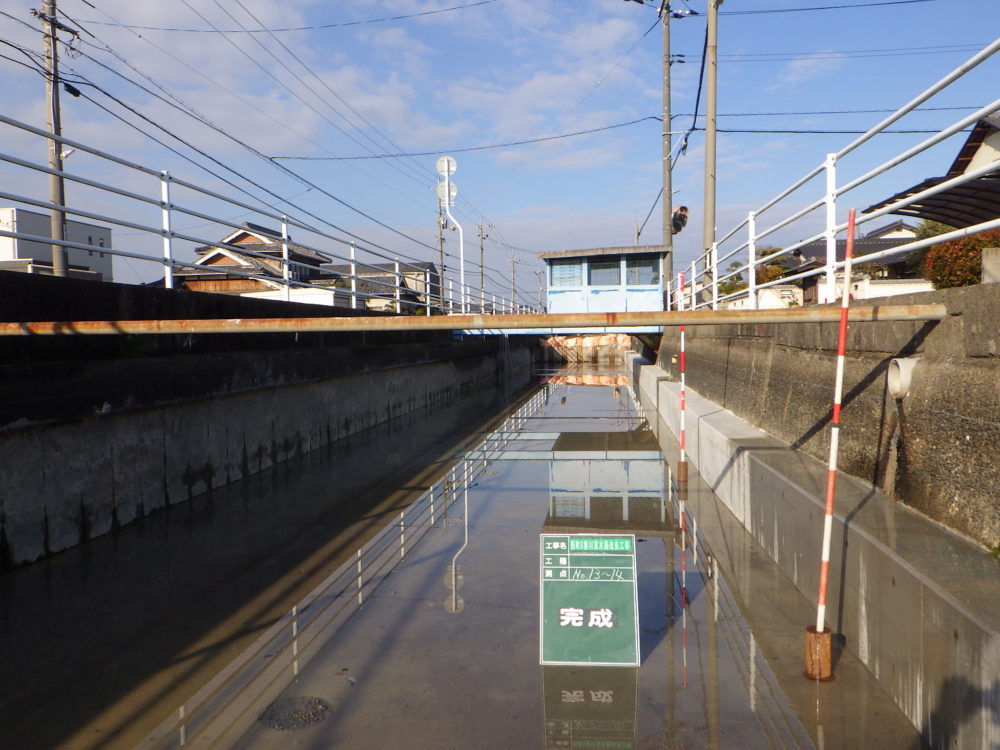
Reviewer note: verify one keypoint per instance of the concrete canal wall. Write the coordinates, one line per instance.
(913, 600)
(97, 432)
(934, 448)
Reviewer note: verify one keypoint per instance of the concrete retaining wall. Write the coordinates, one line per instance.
(914, 601)
(97, 432)
(936, 449)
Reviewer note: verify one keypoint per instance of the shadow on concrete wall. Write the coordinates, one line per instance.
(911, 347)
(959, 701)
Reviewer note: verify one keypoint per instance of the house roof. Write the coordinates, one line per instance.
(896, 226)
(814, 254)
(964, 205)
(625, 250)
(259, 239)
(379, 269)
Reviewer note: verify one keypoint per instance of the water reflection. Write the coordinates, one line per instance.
(401, 670)
(590, 707)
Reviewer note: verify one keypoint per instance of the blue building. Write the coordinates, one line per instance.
(606, 279)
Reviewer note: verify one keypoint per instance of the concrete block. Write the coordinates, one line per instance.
(991, 265)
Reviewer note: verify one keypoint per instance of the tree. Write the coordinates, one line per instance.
(768, 271)
(914, 265)
(734, 283)
(959, 262)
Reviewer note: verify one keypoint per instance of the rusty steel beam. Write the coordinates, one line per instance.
(474, 322)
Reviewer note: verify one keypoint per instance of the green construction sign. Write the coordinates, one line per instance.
(589, 607)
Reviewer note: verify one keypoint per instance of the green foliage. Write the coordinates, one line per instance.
(914, 265)
(959, 262)
(733, 284)
(928, 228)
(773, 270)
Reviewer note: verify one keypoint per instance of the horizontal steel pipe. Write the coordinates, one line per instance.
(475, 322)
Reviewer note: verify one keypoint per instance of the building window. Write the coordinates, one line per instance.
(643, 269)
(605, 271)
(566, 272)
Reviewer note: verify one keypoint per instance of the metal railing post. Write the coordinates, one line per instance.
(752, 259)
(399, 283)
(694, 284)
(714, 260)
(168, 248)
(287, 272)
(830, 270)
(354, 280)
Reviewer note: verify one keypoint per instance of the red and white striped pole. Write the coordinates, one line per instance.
(819, 664)
(682, 464)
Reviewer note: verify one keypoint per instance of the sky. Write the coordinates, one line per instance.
(338, 114)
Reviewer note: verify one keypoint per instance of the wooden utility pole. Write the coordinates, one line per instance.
(513, 285)
(482, 263)
(57, 192)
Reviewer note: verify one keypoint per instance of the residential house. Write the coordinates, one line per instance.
(886, 277)
(35, 256)
(375, 285)
(972, 202)
(254, 250)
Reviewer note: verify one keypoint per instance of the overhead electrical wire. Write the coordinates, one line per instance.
(419, 171)
(311, 27)
(300, 179)
(205, 120)
(763, 11)
(212, 80)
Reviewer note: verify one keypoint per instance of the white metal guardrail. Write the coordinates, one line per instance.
(716, 264)
(367, 277)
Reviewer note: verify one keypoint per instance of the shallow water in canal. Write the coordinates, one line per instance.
(432, 638)
(416, 623)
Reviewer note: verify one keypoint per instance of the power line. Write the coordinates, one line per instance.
(281, 167)
(212, 80)
(469, 148)
(419, 172)
(311, 27)
(821, 7)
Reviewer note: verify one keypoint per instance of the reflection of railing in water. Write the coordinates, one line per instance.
(223, 707)
(725, 620)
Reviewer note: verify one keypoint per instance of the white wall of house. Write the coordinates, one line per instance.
(37, 224)
(327, 297)
(770, 298)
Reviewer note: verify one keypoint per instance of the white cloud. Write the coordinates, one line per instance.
(801, 71)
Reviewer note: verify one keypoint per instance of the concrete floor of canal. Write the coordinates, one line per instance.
(440, 648)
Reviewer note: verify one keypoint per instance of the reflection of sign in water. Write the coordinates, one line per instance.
(590, 707)
(589, 611)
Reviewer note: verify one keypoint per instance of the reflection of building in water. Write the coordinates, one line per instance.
(590, 707)
(607, 480)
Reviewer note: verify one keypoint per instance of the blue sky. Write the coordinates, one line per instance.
(493, 73)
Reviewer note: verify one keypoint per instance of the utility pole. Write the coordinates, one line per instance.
(57, 192)
(513, 285)
(482, 264)
(711, 79)
(539, 275)
(667, 199)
